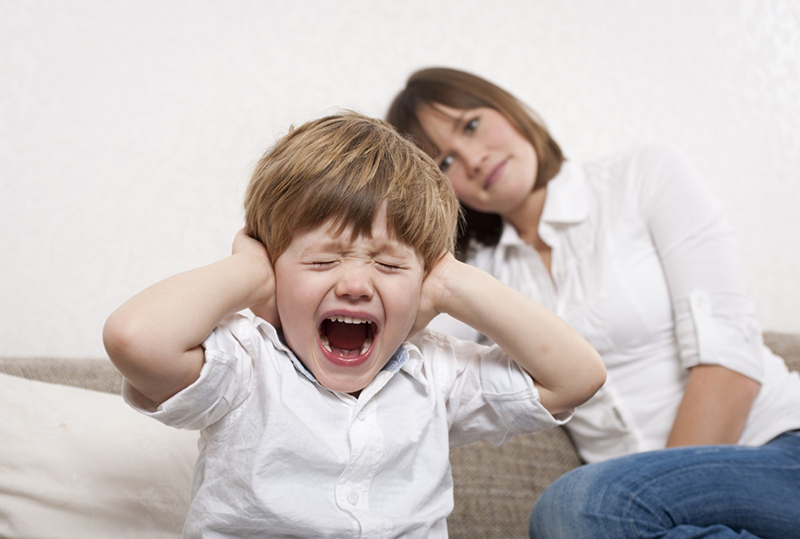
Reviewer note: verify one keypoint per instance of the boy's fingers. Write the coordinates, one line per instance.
(243, 241)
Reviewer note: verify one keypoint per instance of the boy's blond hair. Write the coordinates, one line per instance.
(342, 168)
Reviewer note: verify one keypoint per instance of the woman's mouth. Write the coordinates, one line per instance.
(346, 340)
(494, 175)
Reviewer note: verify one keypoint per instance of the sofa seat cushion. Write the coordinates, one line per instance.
(81, 463)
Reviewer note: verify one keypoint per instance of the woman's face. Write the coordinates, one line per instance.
(491, 165)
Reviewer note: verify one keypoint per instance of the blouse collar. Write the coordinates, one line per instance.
(566, 203)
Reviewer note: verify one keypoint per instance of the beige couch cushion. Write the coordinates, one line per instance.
(81, 463)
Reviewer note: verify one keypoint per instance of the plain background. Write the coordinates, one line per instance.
(129, 129)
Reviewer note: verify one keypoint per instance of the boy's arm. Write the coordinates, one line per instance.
(154, 338)
(565, 368)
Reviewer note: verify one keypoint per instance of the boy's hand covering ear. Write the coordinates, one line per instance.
(434, 292)
(264, 306)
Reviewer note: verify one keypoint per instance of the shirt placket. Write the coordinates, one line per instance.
(559, 281)
(547, 282)
(366, 453)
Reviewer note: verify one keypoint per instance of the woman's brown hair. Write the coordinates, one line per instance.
(462, 90)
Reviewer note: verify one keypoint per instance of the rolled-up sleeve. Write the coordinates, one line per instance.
(510, 392)
(488, 395)
(224, 382)
(714, 313)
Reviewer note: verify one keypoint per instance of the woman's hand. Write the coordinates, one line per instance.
(264, 305)
(434, 292)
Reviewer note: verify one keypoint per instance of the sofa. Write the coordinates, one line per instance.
(75, 461)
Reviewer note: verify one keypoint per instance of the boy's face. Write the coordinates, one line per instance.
(346, 306)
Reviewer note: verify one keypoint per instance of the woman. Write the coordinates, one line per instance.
(636, 254)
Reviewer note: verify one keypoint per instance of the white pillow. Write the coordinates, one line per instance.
(80, 463)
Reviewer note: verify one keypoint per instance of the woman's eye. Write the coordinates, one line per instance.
(445, 164)
(322, 263)
(471, 125)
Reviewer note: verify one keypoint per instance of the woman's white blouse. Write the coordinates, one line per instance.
(646, 267)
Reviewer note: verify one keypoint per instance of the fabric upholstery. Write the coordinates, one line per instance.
(77, 463)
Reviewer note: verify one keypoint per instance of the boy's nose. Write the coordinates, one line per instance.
(354, 283)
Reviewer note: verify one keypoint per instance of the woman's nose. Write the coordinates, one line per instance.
(474, 158)
(354, 282)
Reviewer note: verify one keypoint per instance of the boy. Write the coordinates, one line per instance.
(322, 417)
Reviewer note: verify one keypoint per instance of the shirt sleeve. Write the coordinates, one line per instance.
(224, 383)
(488, 395)
(445, 323)
(714, 313)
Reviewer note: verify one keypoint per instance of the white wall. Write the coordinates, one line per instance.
(128, 129)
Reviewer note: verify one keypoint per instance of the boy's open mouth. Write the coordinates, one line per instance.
(347, 338)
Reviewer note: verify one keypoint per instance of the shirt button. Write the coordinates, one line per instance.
(362, 415)
(352, 497)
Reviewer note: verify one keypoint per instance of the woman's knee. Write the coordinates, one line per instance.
(602, 496)
(557, 513)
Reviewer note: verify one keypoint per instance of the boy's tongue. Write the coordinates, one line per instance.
(346, 336)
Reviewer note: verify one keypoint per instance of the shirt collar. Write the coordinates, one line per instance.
(566, 202)
(276, 338)
(413, 364)
(407, 357)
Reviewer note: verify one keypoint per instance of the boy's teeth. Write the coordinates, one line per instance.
(364, 347)
(347, 319)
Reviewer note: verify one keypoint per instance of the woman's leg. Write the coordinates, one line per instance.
(692, 492)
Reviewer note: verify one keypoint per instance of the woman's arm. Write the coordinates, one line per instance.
(154, 338)
(714, 408)
(565, 368)
(715, 325)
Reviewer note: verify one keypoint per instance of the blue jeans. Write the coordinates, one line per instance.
(692, 492)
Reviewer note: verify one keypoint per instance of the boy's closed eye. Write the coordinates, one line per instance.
(385, 265)
(322, 263)
(391, 266)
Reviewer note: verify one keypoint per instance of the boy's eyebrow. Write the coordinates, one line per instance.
(390, 247)
(324, 247)
(394, 248)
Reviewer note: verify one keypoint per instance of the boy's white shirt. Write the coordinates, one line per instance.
(279, 452)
